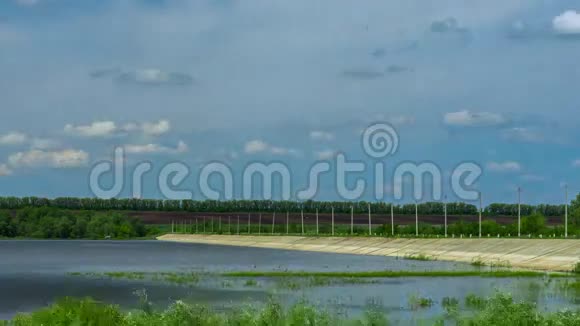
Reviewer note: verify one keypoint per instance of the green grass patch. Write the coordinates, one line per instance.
(251, 283)
(417, 302)
(498, 310)
(396, 274)
(189, 278)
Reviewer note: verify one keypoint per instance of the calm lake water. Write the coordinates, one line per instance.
(35, 273)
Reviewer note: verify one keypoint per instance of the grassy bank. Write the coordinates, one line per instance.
(398, 274)
(498, 310)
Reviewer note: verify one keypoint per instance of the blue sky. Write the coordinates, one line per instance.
(493, 82)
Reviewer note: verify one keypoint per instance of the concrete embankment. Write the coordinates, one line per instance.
(540, 254)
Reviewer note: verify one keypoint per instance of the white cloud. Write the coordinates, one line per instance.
(13, 138)
(110, 128)
(156, 128)
(255, 146)
(325, 154)
(522, 134)
(44, 143)
(154, 77)
(95, 129)
(156, 149)
(321, 135)
(567, 23)
(58, 159)
(507, 166)
(283, 151)
(467, 118)
(260, 146)
(5, 170)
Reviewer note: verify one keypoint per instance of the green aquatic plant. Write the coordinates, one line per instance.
(475, 301)
(185, 278)
(477, 261)
(251, 283)
(397, 274)
(416, 302)
(420, 256)
(498, 310)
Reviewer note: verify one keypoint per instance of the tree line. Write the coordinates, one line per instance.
(54, 223)
(133, 204)
(359, 207)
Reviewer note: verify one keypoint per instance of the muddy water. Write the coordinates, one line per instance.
(36, 273)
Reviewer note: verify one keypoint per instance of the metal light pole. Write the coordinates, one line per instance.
(238, 230)
(302, 217)
(333, 221)
(392, 220)
(480, 209)
(260, 224)
(351, 220)
(416, 219)
(287, 223)
(445, 213)
(519, 212)
(317, 221)
(273, 222)
(370, 223)
(566, 212)
(249, 224)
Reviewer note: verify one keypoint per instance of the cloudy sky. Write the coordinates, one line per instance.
(491, 82)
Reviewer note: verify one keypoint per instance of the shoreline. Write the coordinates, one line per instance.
(534, 254)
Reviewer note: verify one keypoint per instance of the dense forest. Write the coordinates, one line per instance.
(428, 208)
(54, 223)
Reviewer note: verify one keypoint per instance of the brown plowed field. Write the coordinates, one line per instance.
(156, 217)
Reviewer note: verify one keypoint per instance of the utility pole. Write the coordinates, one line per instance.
(445, 213)
(287, 222)
(519, 212)
(238, 230)
(416, 219)
(480, 209)
(333, 221)
(302, 216)
(317, 221)
(273, 222)
(566, 212)
(392, 220)
(260, 224)
(351, 220)
(249, 224)
(370, 223)
(229, 224)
